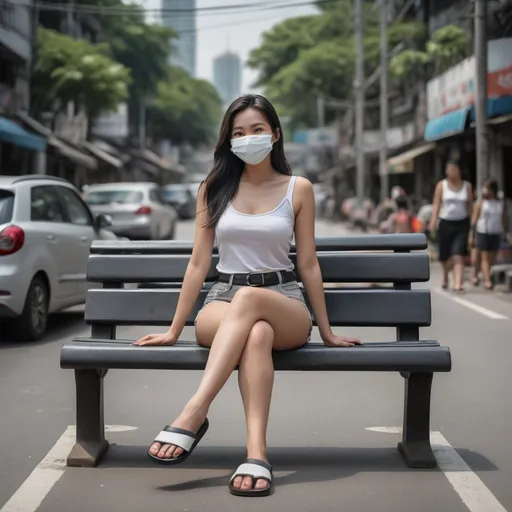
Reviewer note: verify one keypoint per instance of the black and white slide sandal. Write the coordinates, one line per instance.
(182, 439)
(258, 470)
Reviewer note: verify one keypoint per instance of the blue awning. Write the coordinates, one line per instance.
(15, 134)
(495, 107)
(449, 124)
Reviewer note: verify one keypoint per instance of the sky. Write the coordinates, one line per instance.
(239, 32)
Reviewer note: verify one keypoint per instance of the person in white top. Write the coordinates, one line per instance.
(253, 207)
(452, 207)
(488, 222)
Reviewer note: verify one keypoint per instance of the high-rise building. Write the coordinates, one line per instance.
(184, 24)
(227, 76)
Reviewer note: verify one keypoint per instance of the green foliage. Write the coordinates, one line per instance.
(185, 109)
(71, 69)
(304, 57)
(409, 63)
(281, 46)
(144, 49)
(308, 56)
(448, 46)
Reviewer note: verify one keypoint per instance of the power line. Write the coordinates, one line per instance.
(220, 9)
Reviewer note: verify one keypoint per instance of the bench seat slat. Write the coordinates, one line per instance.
(336, 267)
(420, 357)
(380, 242)
(371, 308)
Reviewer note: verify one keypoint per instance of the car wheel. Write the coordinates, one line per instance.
(31, 325)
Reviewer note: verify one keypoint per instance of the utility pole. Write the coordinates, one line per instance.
(320, 108)
(34, 21)
(142, 124)
(383, 154)
(359, 93)
(482, 150)
(70, 25)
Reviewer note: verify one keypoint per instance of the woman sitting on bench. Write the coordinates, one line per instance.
(253, 207)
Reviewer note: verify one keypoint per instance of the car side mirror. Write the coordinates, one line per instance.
(102, 221)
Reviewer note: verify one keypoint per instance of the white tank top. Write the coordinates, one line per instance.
(454, 204)
(259, 242)
(490, 219)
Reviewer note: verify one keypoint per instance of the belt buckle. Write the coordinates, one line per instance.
(248, 279)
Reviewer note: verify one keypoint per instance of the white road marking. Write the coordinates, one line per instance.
(471, 490)
(47, 473)
(475, 307)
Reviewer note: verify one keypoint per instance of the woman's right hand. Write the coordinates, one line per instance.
(167, 338)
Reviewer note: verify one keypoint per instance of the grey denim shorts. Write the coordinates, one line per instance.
(225, 292)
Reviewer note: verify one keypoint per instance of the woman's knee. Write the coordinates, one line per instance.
(260, 337)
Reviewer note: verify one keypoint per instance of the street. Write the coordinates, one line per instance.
(332, 436)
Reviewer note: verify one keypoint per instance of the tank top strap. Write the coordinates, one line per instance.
(289, 192)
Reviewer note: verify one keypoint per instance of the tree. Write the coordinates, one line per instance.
(448, 46)
(310, 56)
(185, 109)
(75, 70)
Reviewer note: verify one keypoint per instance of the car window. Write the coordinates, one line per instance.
(45, 205)
(173, 194)
(6, 206)
(154, 196)
(100, 197)
(78, 213)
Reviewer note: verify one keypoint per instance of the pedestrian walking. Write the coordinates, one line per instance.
(451, 213)
(474, 251)
(488, 223)
(402, 221)
(253, 207)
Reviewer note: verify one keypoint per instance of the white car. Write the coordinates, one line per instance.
(136, 209)
(46, 231)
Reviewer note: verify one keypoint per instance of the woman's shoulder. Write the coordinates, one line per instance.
(302, 183)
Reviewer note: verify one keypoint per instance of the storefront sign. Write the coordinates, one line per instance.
(396, 137)
(455, 89)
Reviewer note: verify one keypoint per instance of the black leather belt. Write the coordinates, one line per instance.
(258, 278)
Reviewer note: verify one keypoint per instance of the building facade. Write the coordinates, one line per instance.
(15, 56)
(227, 76)
(180, 15)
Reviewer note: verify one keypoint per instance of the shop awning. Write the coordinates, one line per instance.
(163, 164)
(102, 155)
(73, 154)
(15, 134)
(495, 107)
(449, 124)
(501, 119)
(404, 162)
(60, 146)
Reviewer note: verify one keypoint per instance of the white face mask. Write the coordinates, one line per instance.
(252, 149)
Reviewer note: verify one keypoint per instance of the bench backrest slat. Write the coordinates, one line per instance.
(374, 308)
(400, 243)
(336, 267)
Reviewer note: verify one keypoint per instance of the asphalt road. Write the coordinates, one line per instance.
(324, 456)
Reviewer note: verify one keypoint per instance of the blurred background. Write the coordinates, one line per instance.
(372, 94)
(122, 101)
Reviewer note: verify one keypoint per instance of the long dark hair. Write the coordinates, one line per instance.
(492, 186)
(222, 182)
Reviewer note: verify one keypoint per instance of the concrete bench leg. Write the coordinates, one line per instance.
(415, 446)
(90, 427)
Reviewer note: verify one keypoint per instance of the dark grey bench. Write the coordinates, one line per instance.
(114, 264)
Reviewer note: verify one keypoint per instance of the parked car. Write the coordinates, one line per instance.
(137, 210)
(46, 231)
(183, 197)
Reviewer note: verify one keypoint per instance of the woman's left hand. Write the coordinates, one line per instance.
(341, 341)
